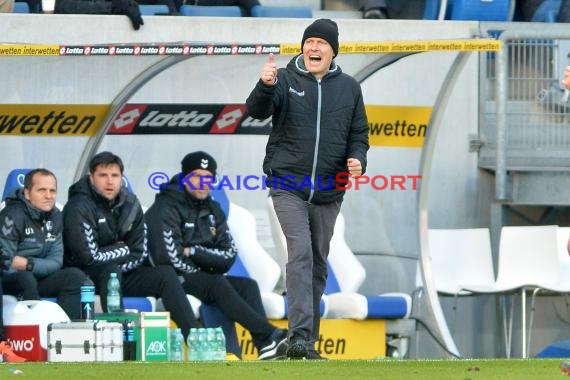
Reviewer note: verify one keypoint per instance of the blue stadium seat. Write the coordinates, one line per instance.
(547, 11)
(220, 196)
(431, 9)
(15, 180)
(282, 12)
(127, 184)
(479, 10)
(153, 9)
(141, 304)
(21, 7)
(239, 269)
(212, 11)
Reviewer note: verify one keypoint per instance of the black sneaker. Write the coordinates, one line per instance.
(277, 347)
(298, 349)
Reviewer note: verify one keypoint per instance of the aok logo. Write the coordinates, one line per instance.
(156, 347)
(21, 344)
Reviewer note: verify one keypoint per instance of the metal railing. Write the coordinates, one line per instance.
(525, 123)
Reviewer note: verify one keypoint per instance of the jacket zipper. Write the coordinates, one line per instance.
(317, 138)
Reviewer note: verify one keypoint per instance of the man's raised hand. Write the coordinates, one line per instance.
(269, 74)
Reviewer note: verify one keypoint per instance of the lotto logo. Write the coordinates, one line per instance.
(127, 119)
(229, 119)
(187, 119)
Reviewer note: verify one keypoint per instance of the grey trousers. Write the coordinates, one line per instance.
(308, 229)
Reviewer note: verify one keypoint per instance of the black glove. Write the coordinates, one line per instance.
(129, 8)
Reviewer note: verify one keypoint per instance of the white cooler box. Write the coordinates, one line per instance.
(25, 325)
(95, 341)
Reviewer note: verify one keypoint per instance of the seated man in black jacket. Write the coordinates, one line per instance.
(32, 248)
(104, 232)
(188, 230)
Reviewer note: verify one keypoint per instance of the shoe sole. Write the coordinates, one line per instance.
(297, 351)
(277, 353)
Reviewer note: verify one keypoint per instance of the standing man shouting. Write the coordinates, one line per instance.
(320, 133)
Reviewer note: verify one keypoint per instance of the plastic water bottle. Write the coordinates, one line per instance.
(210, 344)
(87, 300)
(129, 343)
(220, 352)
(113, 294)
(176, 345)
(192, 343)
(202, 353)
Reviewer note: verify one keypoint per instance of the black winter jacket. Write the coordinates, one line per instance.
(317, 126)
(97, 232)
(28, 232)
(176, 221)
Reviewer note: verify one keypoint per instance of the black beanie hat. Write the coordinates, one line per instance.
(323, 28)
(198, 160)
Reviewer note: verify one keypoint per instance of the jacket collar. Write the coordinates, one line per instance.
(299, 64)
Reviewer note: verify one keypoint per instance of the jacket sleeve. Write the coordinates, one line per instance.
(265, 101)
(47, 256)
(9, 237)
(8, 248)
(221, 255)
(358, 143)
(260, 101)
(81, 237)
(170, 240)
(51, 260)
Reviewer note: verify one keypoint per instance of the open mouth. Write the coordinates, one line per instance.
(315, 58)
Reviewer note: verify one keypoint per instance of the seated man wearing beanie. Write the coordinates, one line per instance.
(188, 230)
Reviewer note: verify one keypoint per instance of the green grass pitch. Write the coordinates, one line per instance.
(499, 369)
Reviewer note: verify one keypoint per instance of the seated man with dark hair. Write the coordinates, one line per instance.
(188, 230)
(31, 242)
(104, 233)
